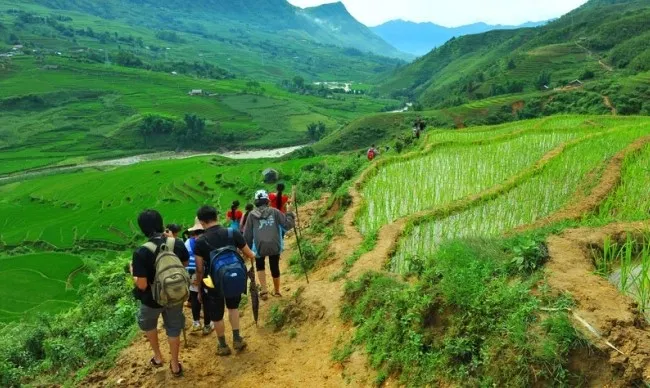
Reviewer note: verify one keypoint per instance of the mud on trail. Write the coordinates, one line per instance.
(615, 316)
(272, 359)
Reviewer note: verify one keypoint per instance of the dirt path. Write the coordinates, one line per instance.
(614, 316)
(600, 60)
(608, 103)
(272, 359)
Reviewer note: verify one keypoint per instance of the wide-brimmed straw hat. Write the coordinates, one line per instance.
(197, 226)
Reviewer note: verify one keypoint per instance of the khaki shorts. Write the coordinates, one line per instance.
(173, 319)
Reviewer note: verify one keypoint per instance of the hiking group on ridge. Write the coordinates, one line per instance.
(208, 270)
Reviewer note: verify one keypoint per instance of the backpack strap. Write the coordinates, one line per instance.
(170, 242)
(231, 241)
(152, 247)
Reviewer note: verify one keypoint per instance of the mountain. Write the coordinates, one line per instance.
(341, 27)
(257, 38)
(590, 43)
(420, 38)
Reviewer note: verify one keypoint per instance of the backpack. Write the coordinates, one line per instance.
(371, 154)
(171, 283)
(227, 269)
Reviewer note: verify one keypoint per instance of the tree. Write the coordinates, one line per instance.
(511, 64)
(299, 82)
(195, 126)
(316, 131)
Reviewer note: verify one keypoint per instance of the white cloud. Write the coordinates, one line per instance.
(453, 13)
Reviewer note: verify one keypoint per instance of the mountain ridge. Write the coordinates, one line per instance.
(419, 38)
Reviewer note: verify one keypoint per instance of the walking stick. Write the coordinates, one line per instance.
(298, 237)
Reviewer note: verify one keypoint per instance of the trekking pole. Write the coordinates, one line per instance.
(297, 231)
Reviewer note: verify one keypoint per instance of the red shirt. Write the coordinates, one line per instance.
(238, 215)
(273, 201)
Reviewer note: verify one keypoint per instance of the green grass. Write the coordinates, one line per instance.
(92, 111)
(573, 173)
(469, 319)
(393, 191)
(101, 206)
(630, 201)
(39, 283)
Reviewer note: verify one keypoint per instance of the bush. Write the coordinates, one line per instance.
(99, 324)
(468, 320)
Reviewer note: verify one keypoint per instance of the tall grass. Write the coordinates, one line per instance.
(450, 173)
(536, 198)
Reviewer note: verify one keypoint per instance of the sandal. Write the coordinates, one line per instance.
(264, 295)
(155, 364)
(180, 370)
(276, 294)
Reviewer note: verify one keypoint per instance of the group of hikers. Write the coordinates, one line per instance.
(419, 125)
(208, 269)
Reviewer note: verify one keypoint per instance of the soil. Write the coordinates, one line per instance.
(272, 359)
(614, 315)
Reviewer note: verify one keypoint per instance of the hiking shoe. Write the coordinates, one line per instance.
(196, 326)
(207, 330)
(223, 350)
(239, 344)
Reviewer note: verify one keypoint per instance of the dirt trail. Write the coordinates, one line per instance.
(608, 103)
(613, 315)
(272, 359)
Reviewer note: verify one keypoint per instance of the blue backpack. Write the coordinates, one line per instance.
(228, 269)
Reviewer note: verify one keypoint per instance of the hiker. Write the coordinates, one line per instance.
(264, 234)
(195, 287)
(249, 209)
(172, 230)
(279, 200)
(207, 249)
(416, 131)
(234, 215)
(160, 259)
(372, 153)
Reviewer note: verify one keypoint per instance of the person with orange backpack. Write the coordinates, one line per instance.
(372, 153)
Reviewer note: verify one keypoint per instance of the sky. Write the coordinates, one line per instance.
(452, 13)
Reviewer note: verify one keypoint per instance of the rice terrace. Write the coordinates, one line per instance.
(475, 216)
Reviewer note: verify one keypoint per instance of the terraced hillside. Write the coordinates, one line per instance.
(477, 220)
(593, 42)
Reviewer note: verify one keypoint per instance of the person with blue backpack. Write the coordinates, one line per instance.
(220, 266)
(195, 287)
(264, 232)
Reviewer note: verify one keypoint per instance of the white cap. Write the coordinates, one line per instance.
(261, 194)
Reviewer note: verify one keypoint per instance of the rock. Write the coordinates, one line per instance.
(120, 381)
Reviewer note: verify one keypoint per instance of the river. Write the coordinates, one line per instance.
(135, 159)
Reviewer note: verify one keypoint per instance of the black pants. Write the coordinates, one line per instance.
(217, 304)
(274, 263)
(196, 307)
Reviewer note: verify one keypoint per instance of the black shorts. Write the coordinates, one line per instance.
(217, 304)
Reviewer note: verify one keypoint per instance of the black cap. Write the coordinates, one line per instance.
(174, 228)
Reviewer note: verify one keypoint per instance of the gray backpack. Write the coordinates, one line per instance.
(171, 283)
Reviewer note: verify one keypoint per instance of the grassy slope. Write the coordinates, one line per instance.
(93, 110)
(565, 48)
(105, 211)
(254, 42)
(46, 275)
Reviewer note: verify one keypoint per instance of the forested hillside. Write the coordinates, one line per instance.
(268, 39)
(600, 40)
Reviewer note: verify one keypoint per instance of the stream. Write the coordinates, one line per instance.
(169, 155)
